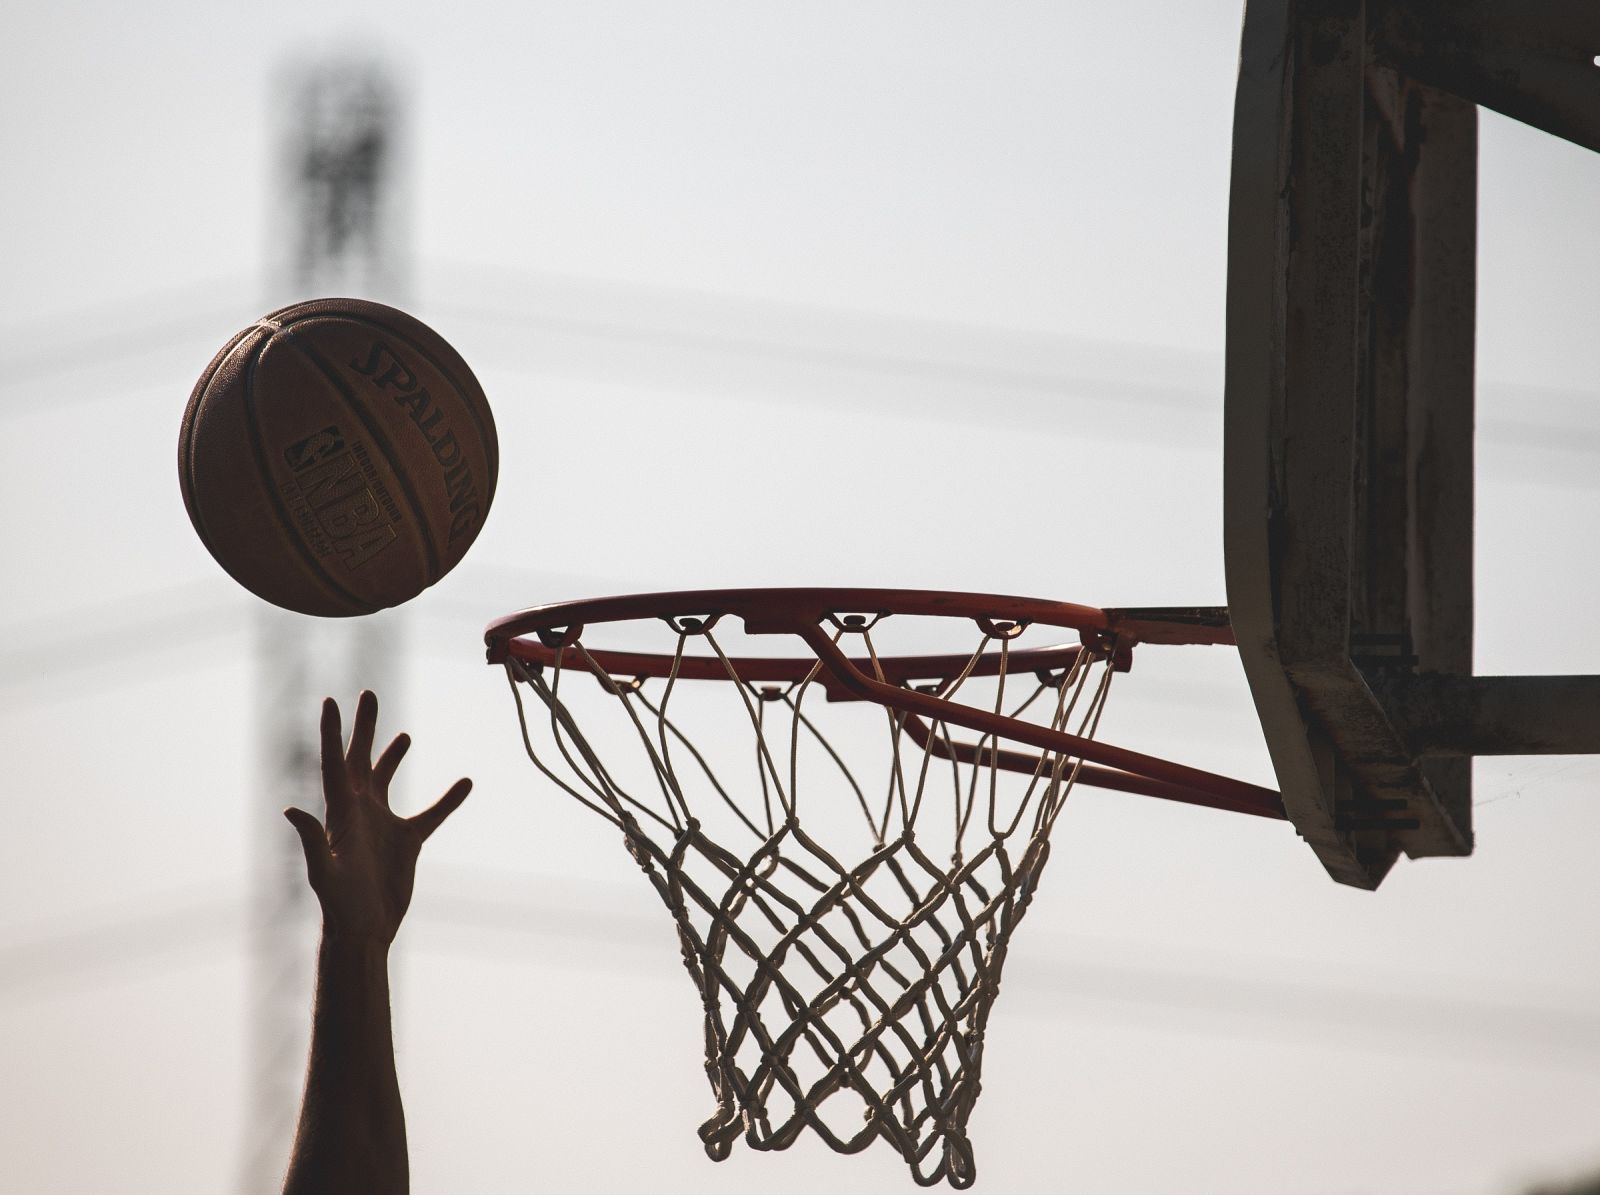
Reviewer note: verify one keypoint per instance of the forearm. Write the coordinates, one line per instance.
(352, 1134)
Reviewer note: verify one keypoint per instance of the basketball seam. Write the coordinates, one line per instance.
(187, 483)
(488, 436)
(291, 533)
(384, 446)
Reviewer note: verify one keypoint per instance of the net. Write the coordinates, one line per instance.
(847, 960)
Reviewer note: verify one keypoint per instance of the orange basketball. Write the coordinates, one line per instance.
(337, 457)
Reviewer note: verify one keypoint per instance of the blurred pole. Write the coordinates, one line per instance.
(336, 234)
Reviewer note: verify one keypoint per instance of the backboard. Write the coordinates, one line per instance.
(1350, 393)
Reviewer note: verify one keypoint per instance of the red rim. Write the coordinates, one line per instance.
(793, 611)
(547, 635)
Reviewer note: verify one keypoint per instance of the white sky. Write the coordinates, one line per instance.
(981, 254)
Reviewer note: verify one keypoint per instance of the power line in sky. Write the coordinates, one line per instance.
(112, 333)
(196, 307)
(94, 352)
(103, 636)
(1238, 992)
(100, 636)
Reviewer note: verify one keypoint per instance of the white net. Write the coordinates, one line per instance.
(845, 997)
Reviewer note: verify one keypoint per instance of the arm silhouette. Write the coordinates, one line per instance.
(361, 862)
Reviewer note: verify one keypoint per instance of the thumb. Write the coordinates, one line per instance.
(431, 818)
(312, 841)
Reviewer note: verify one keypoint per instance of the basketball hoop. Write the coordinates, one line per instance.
(847, 998)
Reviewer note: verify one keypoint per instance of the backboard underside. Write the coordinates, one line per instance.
(1349, 439)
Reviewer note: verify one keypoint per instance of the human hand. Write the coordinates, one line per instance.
(362, 863)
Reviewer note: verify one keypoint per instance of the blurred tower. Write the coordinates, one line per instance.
(336, 234)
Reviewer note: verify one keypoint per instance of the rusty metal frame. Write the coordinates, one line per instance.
(1349, 442)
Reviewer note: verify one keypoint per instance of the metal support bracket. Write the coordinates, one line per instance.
(1495, 715)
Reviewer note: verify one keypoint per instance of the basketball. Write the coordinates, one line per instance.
(337, 457)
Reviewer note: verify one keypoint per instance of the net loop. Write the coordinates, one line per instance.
(688, 624)
(559, 637)
(853, 624)
(1000, 628)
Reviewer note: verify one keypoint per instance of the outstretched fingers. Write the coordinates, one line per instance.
(362, 730)
(347, 771)
(431, 818)
(383, 771)
(333, 772)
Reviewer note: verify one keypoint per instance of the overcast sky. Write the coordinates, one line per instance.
(923, 295)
